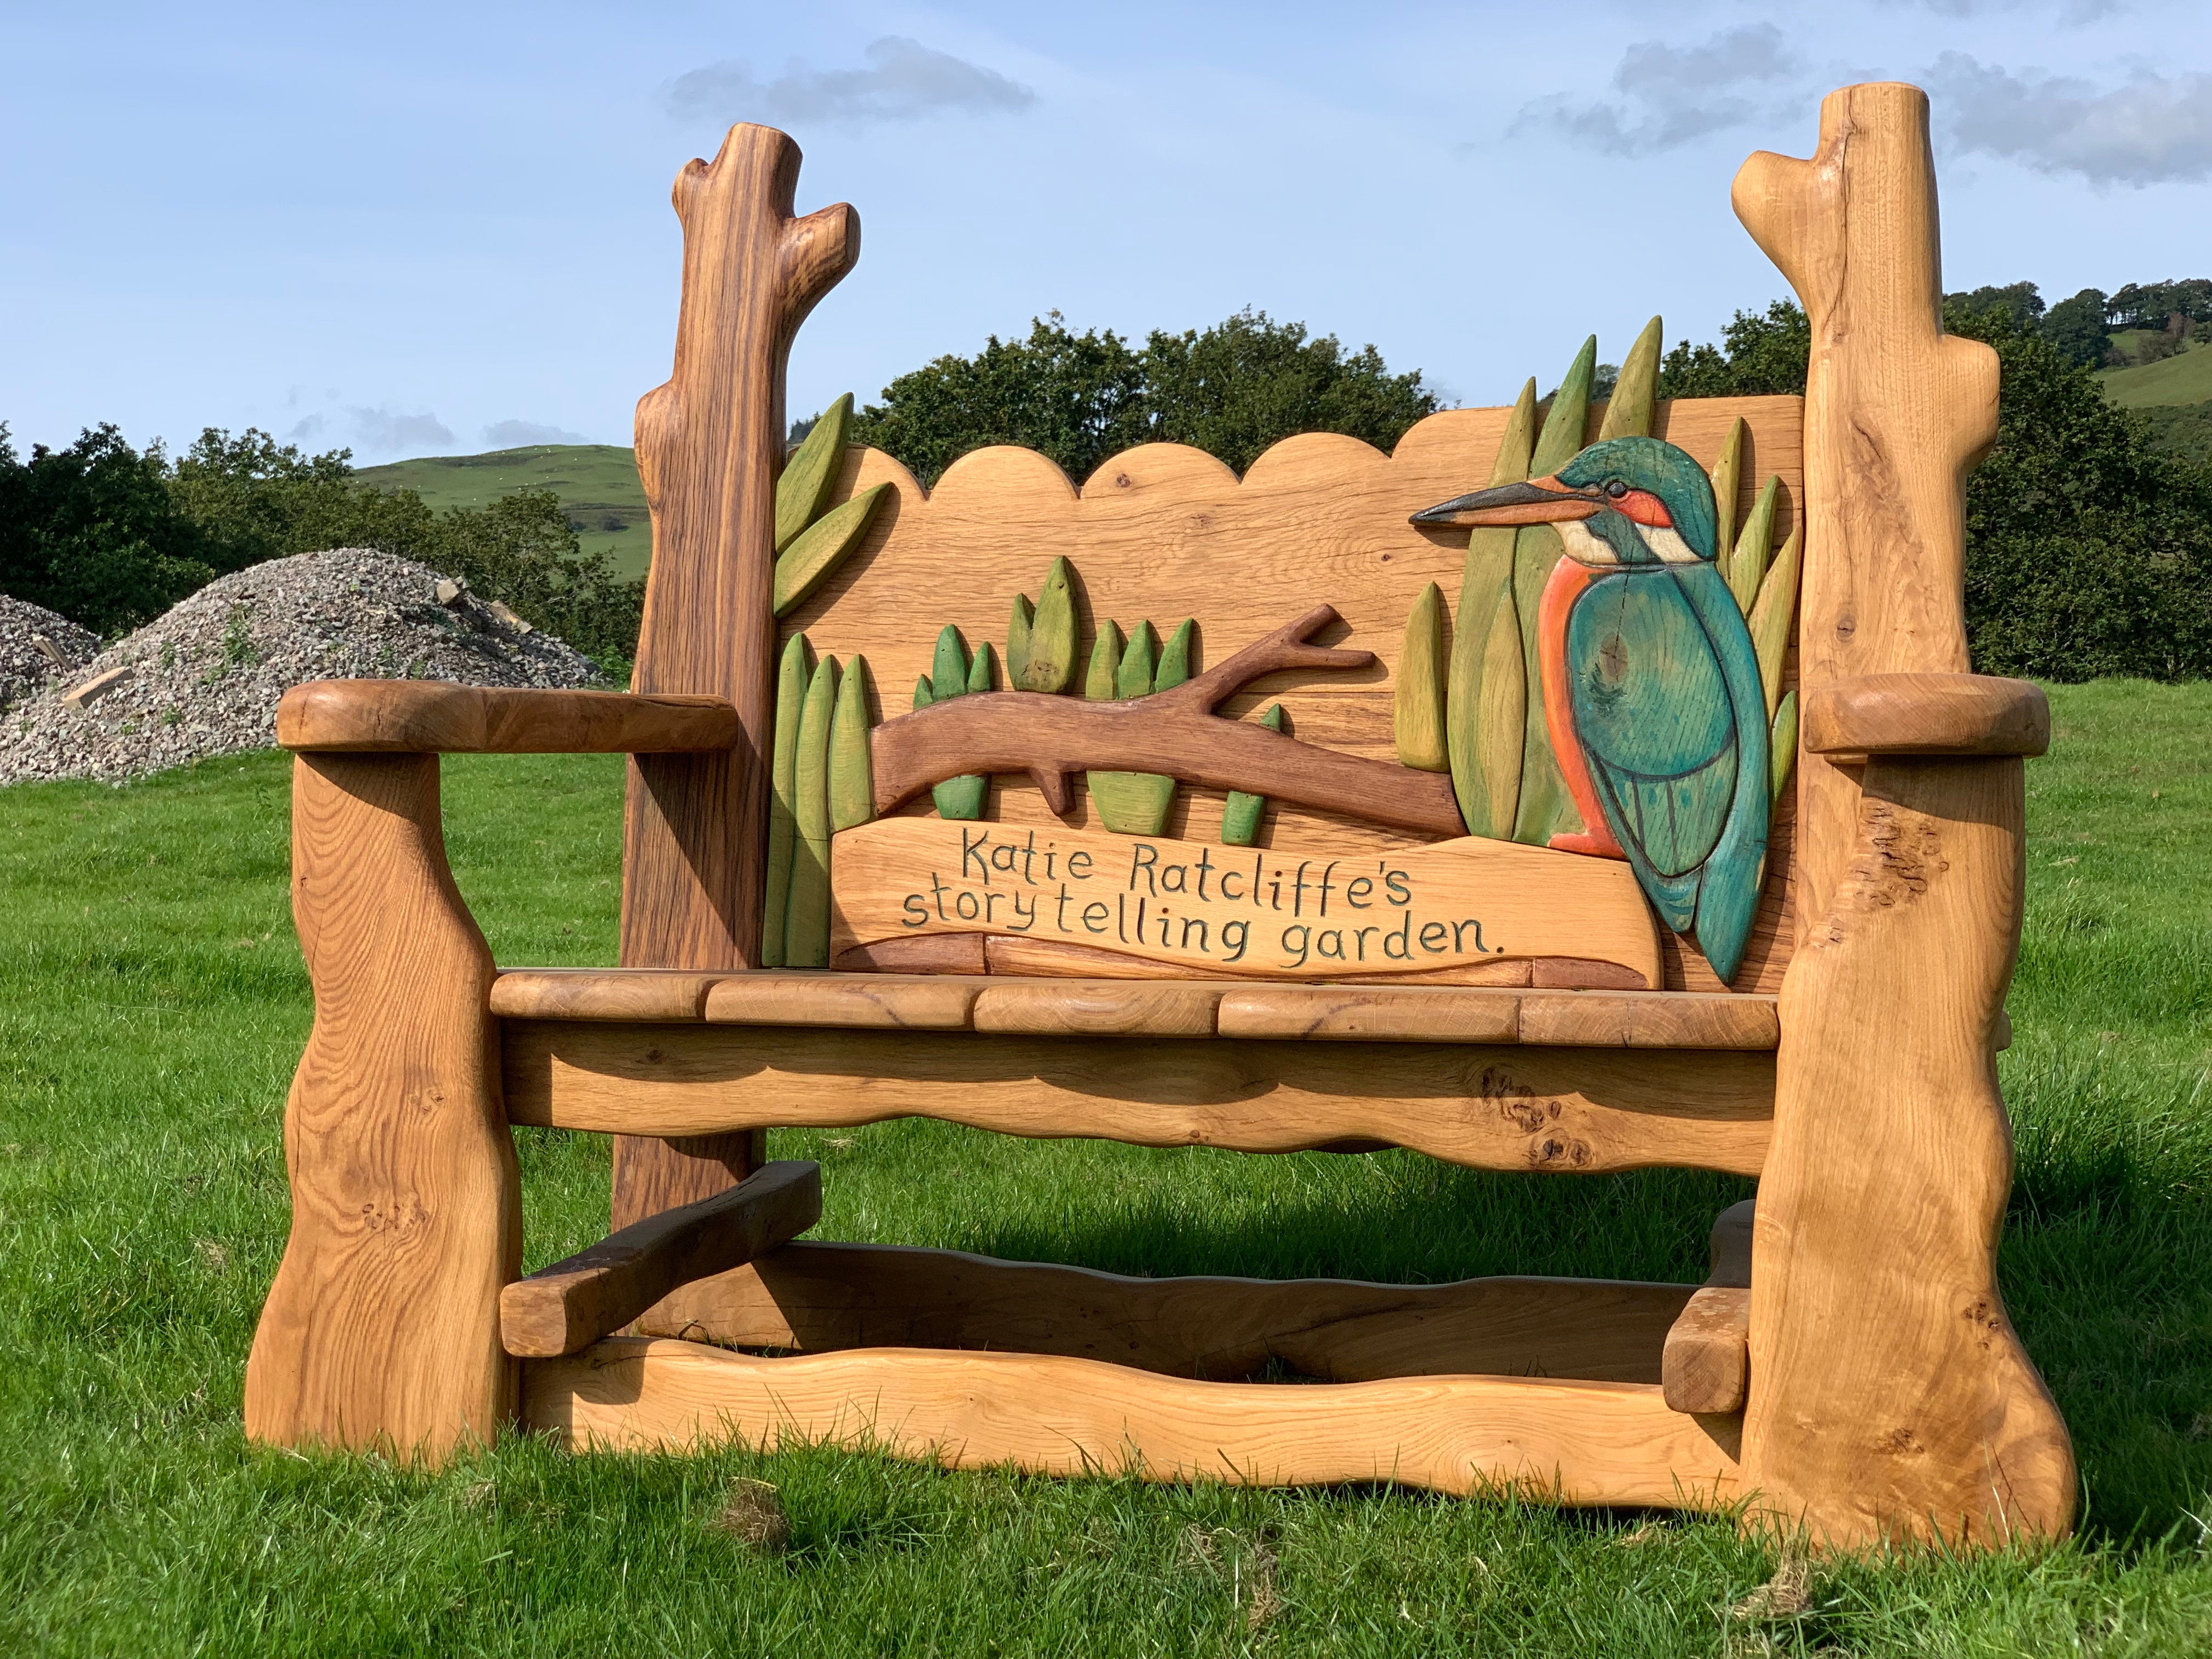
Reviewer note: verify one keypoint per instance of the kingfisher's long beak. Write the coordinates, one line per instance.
(1539, 501)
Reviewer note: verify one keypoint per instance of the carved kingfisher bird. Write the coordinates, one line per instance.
(1650, 686)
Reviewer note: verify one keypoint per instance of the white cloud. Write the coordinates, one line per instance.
(377, 431)
(1664, 96)
(2151, 129)
(904, 81)
(514, 435)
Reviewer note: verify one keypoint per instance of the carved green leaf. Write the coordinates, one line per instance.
(852, 775)
(1782, 743)
(782, 824)
(821, 547)
(1242, 814)
(1418, 715)
(806, 923)
(1771, 614)
(1728, 479)
(1628, 411)
(1748, 565)
(1176, 655)
(1544, 809)
(1051, 664)
(979, 668)
(1098, 680)
(1138, 662)
(811, 472)
(1486, 790)
(1017, 643)
(948, 668)
(923, 697)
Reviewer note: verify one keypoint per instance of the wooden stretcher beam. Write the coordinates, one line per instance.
(1706, 1366)
(1126, 1007)
(818, 1297)
(1578, 1442)
(427, 717)
(1568, 1111)
(576, 1300)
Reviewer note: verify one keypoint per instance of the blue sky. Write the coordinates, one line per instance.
(421, 230)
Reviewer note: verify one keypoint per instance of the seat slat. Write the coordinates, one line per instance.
(1137, 1007)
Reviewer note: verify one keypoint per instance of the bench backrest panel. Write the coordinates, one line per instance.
(1164, 532)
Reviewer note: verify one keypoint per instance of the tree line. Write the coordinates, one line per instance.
(110, 536)
(2088, 547)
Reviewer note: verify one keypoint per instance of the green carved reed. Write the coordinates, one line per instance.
(1136, 803)
(1418, 716)
(806, 916)
(1628, 410)
(802, 490)
(1485, 699)
(1544, 809)
(1041, 638)
(782, 821)
(1241, 813)
(953, 672)
(1727, 478)
(852, 776)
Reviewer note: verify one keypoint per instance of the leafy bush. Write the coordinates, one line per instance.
(93, 531)
(2088, 547)
(1231, 390)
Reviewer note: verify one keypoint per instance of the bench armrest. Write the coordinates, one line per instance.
(1927, 714)
(432, 717)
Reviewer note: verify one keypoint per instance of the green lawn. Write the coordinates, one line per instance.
(152, 1004)
(597, 483)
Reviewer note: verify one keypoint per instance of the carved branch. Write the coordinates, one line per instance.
(1172, 732)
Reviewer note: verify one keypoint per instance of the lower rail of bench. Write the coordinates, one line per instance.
(1495, 1107)
(818, 1296)
(1580, 1442)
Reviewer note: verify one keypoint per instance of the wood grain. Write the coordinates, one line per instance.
(1890, 1395)
(1527, 1109)
(1165, 531)
(819, 1297)
(621, 994)
(578, 1300)
(1927, 714)
(382, 1327)
(1706, 1365)
(1069, 1007)
(852, 1002)
(709, 445)
(1289, 912)
(1627, 1019)
(1579, 1443)
(429, 717)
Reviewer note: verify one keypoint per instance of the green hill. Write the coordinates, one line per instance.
(596, 483)
(2186, 378)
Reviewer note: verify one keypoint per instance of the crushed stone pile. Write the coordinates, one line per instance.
(36, 648)
(203, 679)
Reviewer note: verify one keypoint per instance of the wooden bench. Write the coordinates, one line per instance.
(1338, 962)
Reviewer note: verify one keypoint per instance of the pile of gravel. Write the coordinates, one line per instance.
(204, 678)
(36, 648)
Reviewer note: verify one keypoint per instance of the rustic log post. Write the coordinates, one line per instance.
(710, 446)
(382, 1328)
(1888, 1394)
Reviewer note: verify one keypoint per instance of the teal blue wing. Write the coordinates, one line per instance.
(1729, 898)
(1655, 721)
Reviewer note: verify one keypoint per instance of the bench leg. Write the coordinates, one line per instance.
(382, 1328)
(1889, 1397)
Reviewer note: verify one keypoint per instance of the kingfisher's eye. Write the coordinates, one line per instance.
(1615, 488)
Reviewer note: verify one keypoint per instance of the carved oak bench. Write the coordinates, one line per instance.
(1647, 814)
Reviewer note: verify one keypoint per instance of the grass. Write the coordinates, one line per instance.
(152, 1004)
(597, 483)
(2186, 378)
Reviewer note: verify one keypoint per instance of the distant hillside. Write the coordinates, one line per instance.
(2186, 378)
(597, 484)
